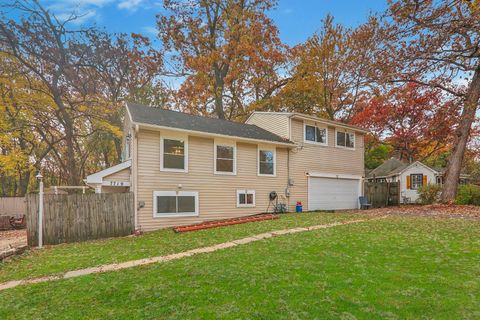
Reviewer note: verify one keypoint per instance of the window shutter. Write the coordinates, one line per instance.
(424, 181)
(409, 182)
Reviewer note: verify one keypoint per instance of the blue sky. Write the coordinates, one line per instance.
(296, 19)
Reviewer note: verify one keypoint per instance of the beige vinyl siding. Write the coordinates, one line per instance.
(274, 122)
(217, 193)
(122, 175)
(324, 159)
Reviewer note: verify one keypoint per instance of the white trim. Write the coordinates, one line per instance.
(116, 183)
(417, 162)
(245, 205)
(274, 151)
(344, 147)
(182, 138)
(224, 144)
(333, 175)
(327, 122)
(175, 194)
(323, 144)
(208, 134)
(98, 176)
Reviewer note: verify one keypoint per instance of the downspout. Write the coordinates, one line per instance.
(288, 160)
(135, 174)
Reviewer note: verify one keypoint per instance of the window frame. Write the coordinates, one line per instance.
(274, 151)
(345, 132)
(176, 194)
(305, 124)
(411, 180)
(224, 144)
(246, 191)
(182, 138)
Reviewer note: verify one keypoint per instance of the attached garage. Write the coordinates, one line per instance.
(332, 192)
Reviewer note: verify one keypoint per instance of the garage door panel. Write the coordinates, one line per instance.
(332, 194)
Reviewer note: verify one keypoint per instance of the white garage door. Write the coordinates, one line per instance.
(332, 194)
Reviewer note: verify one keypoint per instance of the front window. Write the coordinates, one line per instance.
(315, 134)
(224, 159)
(173, 154)
(245, 198)
(417, 181)
(266, 162)
(346, 139)
(172, 203)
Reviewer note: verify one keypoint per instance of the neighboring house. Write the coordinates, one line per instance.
(185, 169)
(410, 175)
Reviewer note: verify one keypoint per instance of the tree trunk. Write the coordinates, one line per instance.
(463, 132)
(23, 184)
(73, 178)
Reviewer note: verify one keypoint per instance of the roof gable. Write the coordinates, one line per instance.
(387, 168)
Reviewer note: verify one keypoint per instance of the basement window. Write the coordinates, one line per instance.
(245, 198)
(175, 204)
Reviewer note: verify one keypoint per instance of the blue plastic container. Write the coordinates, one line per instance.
(299, 208)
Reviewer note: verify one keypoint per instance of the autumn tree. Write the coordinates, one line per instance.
(436, 44)
(228, 52)
(87, 74)
(328, 74)
(21, 147)
(415, 121)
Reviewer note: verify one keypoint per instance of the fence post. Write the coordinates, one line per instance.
(40, 212)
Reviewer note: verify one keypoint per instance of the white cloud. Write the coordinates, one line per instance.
(130, 5)
(150, 30)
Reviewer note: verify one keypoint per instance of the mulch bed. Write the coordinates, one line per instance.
(223, 223)
(434, 210)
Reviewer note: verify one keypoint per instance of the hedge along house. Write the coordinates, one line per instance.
(185, 169)
(411, 176)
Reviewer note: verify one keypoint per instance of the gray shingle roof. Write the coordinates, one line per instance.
(389, 167)
(180, 120)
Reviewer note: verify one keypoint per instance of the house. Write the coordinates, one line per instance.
(410, 175)
(184, 168)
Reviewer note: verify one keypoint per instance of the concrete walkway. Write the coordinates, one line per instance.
(175, 256)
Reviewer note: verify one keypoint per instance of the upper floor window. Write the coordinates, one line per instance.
(315, 134)
(173, 154)
(266, 162)
(225, 162)
(345, 139)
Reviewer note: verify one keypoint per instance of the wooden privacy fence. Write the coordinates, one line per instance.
(382, 194)
(80, 217)
(12, 206)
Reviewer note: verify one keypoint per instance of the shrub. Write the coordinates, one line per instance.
(429, 193)
(468, 194)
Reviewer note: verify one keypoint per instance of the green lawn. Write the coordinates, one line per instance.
(61, 258)
(395, 268)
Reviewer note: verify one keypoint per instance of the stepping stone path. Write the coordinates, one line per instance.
(175, 256)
